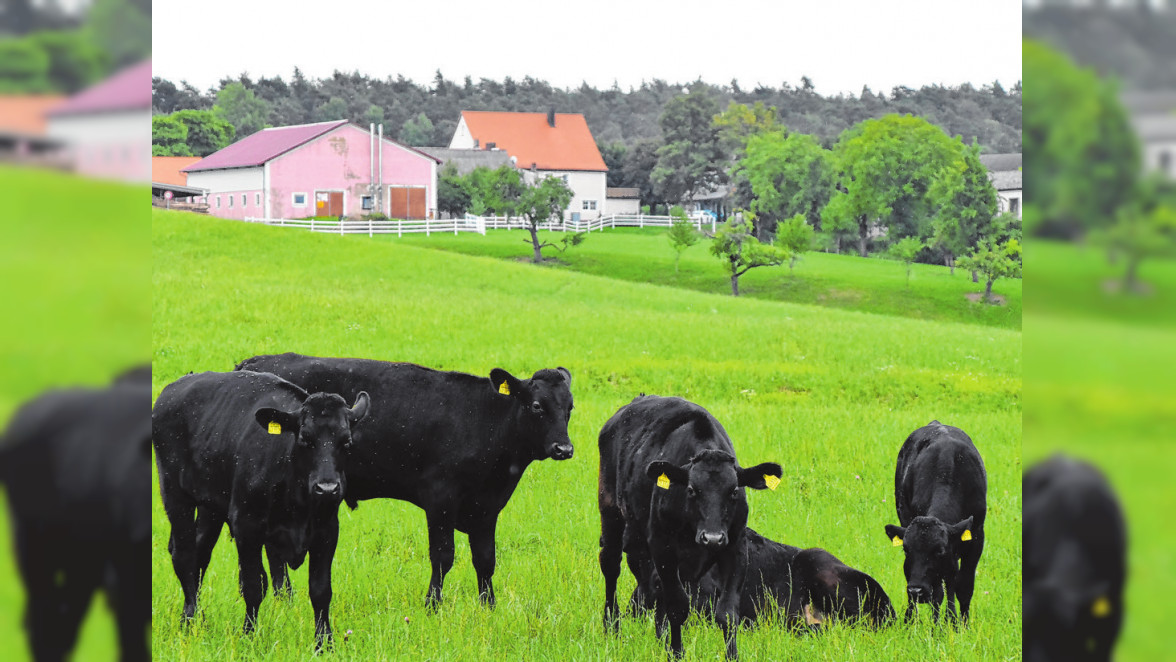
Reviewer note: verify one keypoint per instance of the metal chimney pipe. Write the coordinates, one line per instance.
(380, 187)
(372, 160)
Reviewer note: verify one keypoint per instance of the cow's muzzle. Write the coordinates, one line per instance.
(561, 451)
(918, 594)
(327, 489)
(711, 539)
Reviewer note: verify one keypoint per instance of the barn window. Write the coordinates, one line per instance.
(257, 199)
(367, 202)
(218, 202)
(589, 204)
(299, 199)
(230, 202)
(243, 200)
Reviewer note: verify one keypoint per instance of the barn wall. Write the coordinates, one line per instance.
(106, 145)
(231, 182)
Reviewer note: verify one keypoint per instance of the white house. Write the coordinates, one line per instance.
(1153, 116)
(543, 145)
(1005, 172)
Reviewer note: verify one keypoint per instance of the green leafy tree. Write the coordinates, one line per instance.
(74, 61)
(455, 193)
(640, 160)
(1085, 156)
(169, 137)
(787, 175)
(417, 131)
(332, 109)
(739, 122)
(373, 115)
(682, 234)
(1145, 229)
(796, 237)
(885, 171)
(994, 260)
(691, 158)
(966, 208)
(207, 130)
(121, 29)
(242, 108)
(495, 191)
(736, 245)
(24, 67)
(541, 202)
(906, 250)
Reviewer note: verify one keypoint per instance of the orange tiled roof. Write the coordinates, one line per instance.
(26, 113)
(527, 137)
(166, 169)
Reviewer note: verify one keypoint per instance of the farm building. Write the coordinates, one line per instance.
(103, 129)
(23, 136)
(543, 145)
(1005, 172)
(465, 160)
(1153, 116)
(622, 200)
(321, 169)
(168, 177)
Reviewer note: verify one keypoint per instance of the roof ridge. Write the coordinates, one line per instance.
(297, 126)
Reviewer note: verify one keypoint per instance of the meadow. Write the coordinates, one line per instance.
(847, 282)
(828, 393)
(74, 277)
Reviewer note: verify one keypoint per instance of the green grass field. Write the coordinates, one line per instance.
(831, 394)
(838, 281)
(74, 279)
(1099, 386)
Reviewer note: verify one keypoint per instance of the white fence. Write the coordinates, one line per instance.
(479, 224)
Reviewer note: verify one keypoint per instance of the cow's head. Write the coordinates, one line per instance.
(322, 433)
(715, 499)
(542, 409)
(1069, 622)
(932, 551)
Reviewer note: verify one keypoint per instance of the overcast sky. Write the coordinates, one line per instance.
(839, 44)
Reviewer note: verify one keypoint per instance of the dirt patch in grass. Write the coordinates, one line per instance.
(547, 261)
(834, 294)
(978, 297)
(1115, 286)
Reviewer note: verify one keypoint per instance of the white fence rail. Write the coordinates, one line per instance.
(479, 224)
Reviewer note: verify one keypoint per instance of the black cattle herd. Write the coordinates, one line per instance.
(273, 448)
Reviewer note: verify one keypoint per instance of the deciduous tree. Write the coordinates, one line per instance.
(169, 137)
(242, 108)
(541, 202)
(795, 236)
(691, 158)
(740, 251)
(788, 175)
(682, 235)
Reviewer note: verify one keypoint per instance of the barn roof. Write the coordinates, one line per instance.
(129, 89)
(1001, 162)
(25, 113)
(467, 159)
(170, 169)
(263, 146)
(622, 193)
(533, 142)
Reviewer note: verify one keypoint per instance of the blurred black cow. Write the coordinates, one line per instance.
(671, 497)
(77, 466)
(940, 493)
(454, 444)
(257, 452)
(808, 586)
(1075, 548)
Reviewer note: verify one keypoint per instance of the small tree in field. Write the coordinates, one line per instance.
(539, 203)
(905, 250)
(795, 236)
(737, 246)
(682, 234)
(994, 260)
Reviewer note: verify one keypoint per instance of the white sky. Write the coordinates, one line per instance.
(839, 44)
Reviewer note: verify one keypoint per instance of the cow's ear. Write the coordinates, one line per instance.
(673, 474)
(504, 382)
(360, 409)
(276, 421)
(896, 534)
(760, 476)
(960, 531)
(566, 375)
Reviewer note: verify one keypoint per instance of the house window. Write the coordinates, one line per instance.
(299, 199)
(1165, 161)
(230, 202)
(218, 202)
(589, 205)
(1015, 206)
(243, 200)
(367, 202)
(257, 199)
(564, 178)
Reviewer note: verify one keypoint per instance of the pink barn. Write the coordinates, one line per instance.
(322, 169)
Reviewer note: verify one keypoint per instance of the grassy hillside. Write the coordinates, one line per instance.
(836, 281)
(830, 394)
(74, 279)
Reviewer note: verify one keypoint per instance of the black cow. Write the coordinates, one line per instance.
(808, 586)
(454, 444)
(77, 466)
(258, 452)
(672, 498)
(1075, 542)
(940, 493)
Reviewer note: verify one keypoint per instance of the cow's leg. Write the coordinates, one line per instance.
(208, 530)
(733, 573)
(482, 551)
(278, 574)
(440, 556)
(322, 553)
(641, 601)
(612, 531)
(58, 593)
(129, 591)
(966, 578)
(672, 601)
(181, 512)
(252, 577)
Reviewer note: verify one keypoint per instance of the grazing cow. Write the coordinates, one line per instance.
(672, 498)
(808, 586)
(454, 444)
(258, 452)
(1075, 548)
(940, 493)
(77, 467)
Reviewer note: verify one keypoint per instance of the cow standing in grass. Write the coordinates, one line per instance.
(77, 467)
(1075, 562)
(259, 453)
(808, 586)
(454, 444)
(672, 499)
(940, 493)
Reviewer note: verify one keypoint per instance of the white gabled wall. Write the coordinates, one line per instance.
(462, 138)
(585, 185)
(233, 179)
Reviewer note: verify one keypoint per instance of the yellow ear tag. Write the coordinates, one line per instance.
(1101, 607)
(275, 428)
(897, 542)
(503, 388)
(772, 481)
(966, 535)
(663, 481)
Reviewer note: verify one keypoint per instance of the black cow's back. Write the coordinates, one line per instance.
(938, 459)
